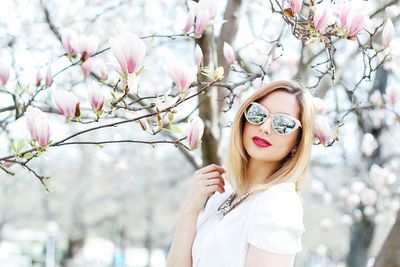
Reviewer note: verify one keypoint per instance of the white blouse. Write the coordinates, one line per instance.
(271, 220)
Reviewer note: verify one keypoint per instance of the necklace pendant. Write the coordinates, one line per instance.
(220, 215)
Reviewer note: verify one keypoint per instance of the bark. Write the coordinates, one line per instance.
(361, 233)
(208, 110)
(360, 241)
(389, 255)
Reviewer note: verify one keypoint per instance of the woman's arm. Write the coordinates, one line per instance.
(260, 258)
(180, 254)
(207, 181)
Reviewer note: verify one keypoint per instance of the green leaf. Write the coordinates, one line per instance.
(21, 144)
(175, 128)
(141, 70)
(14, 148)
(27, 156)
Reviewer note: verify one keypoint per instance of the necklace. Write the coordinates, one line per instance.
(227, 206)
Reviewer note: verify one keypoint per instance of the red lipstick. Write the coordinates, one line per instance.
(260, 142)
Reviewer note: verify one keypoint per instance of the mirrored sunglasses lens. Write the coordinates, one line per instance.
(283, 124)
(255, 114)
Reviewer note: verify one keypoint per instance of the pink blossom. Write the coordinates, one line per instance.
(198, 55)
(392, 94)
(181, 74)
(322, 129)
(355, 23)
(85, 45)
(129, 50)
(210, 5)
(66, 103)
(48, 79)
(4, 73)
(38, 78)
(295, 5)
(189, 21)
(38, 125)
(322, 16)
(229, 54)
(67, 39)
(388, 33)
(99, 68)
(351, 16)
(195, 132)
(86, 66)
(202, 20)
(96, 96)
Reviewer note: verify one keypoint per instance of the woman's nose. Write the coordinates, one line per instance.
(266, 126)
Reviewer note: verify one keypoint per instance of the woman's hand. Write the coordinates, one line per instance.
(206, 181)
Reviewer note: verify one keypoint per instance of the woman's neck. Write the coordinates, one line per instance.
(259, 171)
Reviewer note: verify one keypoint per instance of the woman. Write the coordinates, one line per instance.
(256, 219)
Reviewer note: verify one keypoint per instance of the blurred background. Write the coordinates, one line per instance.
(117, 204)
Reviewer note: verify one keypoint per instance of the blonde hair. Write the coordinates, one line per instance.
(293, 168)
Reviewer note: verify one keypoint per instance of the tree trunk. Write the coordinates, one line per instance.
(360, 241)
(389, 255)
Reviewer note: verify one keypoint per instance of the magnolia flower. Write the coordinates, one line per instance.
(322, 16)
(202, 20)
(355, 23)
(388, 33)
(96, 96)
(85, 45)
(189, 21)
(351, 16)
(346, 220)
(181, 74)
(295, 5)
(229, 54)
(369, 211)
(195, 132)
(48, 79)
(198, 55)
(368, 197)
(86, 67)
(99, 68)
(392, 94)
(66, 103)
(129, 50)
(38, 126)
(353, 200)
(67, 39)
(38, 78)
(369, 144)
(322, 129)
(4, 73)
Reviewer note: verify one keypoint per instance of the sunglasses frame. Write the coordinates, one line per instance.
(298, 123)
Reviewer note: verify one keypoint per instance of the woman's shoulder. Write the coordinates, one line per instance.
(281, 198)
(285, 190)
(276, 220)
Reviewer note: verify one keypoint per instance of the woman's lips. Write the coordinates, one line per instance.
(260, 142)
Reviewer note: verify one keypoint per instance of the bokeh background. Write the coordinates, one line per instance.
(117, 204)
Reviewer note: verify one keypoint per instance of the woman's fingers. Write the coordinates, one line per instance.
(210, 168)
(213, 174)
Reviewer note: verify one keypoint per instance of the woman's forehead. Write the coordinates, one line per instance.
(281, 102)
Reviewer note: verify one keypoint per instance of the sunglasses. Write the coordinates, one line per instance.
(282, 124)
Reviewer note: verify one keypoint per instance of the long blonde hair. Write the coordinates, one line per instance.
(291, 168)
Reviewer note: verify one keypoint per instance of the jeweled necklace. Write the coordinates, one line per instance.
(227, 205)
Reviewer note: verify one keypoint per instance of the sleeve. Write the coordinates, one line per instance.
(276, 222)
